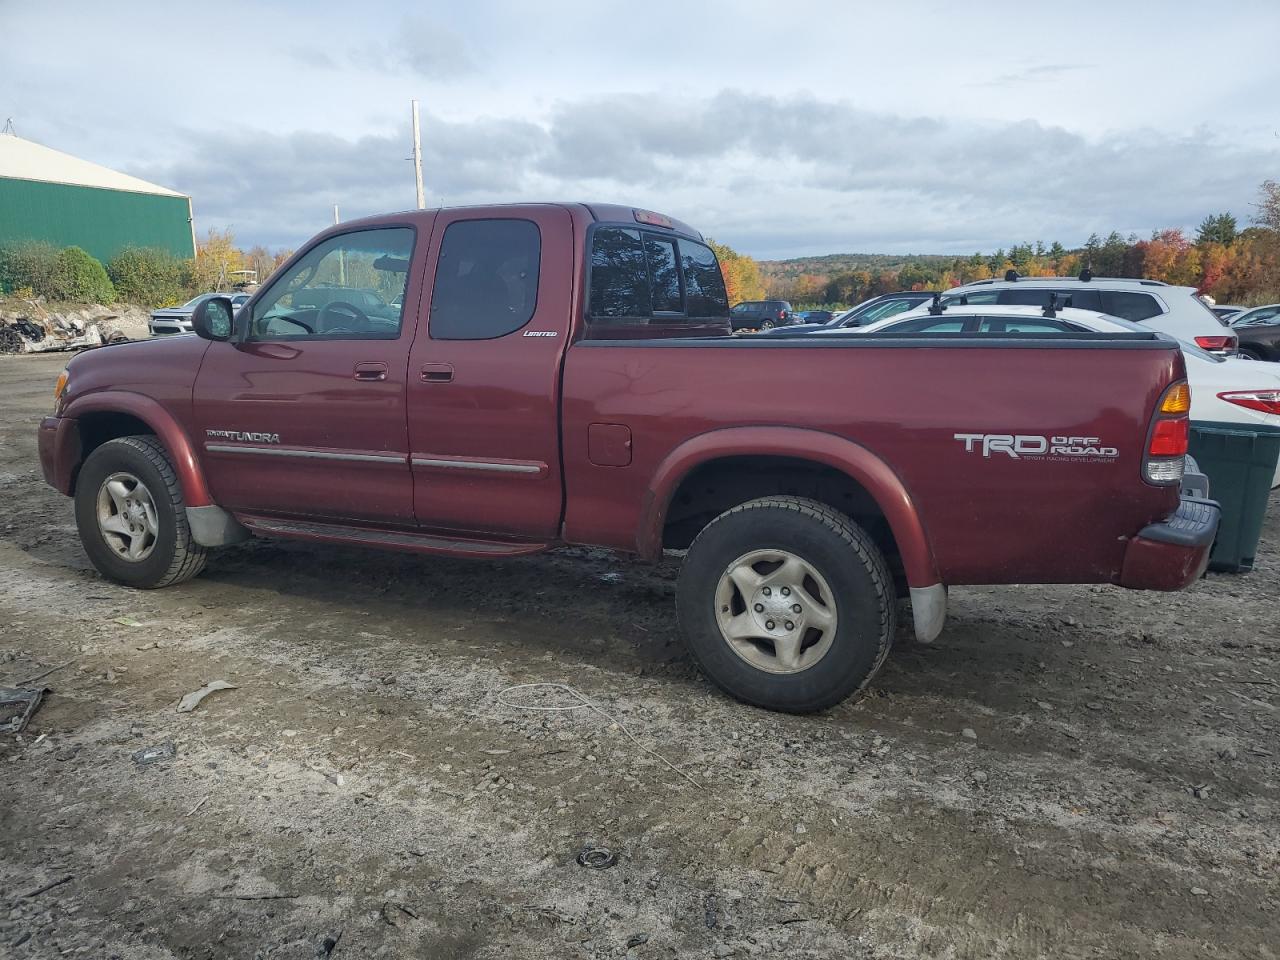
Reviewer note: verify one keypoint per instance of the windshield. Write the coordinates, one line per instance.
(196, 301)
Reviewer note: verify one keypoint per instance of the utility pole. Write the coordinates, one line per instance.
(342, 258)
(417, 156)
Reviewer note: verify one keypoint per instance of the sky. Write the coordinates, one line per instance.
(783, 129)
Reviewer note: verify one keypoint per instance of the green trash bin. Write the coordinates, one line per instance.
(1240, 462)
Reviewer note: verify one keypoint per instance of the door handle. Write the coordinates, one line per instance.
(371, 371)
(437, 372)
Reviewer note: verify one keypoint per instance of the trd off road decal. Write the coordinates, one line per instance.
(1035, 447)
(242, 437)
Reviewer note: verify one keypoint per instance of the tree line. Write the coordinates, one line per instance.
(1229, 263)
(145, 276)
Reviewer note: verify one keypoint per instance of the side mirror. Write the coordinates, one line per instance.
(212, 318)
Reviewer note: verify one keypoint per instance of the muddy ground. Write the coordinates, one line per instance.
(1069, 772)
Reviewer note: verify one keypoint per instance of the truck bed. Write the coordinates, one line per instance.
(906, 400)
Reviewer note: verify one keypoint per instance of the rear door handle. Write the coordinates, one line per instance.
(372, 370)
(437, 372)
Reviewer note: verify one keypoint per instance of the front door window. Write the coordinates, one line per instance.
(349, 287)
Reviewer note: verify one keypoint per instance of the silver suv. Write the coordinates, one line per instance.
(1176, 311)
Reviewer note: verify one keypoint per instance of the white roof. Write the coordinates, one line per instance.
(24, 160)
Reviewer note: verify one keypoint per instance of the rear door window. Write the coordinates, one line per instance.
(926, 325)
(1033, 297)
(1130, 306)
(973, 297)
(883, 311)
(486, 282)
(1030, 325)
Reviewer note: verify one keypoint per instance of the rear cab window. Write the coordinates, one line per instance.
(641, 278)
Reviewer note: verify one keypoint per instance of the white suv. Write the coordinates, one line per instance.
(1176, 311)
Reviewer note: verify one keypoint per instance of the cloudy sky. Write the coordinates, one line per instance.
(783, 129)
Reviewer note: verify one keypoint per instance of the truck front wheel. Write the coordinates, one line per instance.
(131, 517)
(786, 604)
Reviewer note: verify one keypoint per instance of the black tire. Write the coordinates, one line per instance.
(1250, 353)
(175, 557)
(766, 325)
(845, 556)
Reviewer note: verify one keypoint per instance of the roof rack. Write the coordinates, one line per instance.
(1076, 279)
(1011, 276)
(937, 308)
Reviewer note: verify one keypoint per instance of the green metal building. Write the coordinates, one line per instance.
(53, 196)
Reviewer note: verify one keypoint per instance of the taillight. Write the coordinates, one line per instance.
(1169, 437)
(1216, 343)
(1266, 401)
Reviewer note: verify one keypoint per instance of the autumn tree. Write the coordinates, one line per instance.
(742, 278)
(217, 257)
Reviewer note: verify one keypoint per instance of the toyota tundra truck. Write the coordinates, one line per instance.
(497, 381)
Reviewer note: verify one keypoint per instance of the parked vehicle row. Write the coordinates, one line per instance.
(566, 374)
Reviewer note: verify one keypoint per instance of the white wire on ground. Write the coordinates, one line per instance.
(583, 703)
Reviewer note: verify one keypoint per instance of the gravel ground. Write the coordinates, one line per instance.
(1068, 772)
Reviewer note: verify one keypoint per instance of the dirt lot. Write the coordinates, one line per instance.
(1069, 772)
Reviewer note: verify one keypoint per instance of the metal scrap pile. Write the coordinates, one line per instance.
(27, 326)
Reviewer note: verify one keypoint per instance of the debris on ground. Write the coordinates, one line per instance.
(597, 858)
(17, 704)
(326, 946)
(48, 886)
(192, 700)
(161, 751)
(397, 914)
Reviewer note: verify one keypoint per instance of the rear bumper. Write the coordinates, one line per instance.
(1174, 553)
(58, 440)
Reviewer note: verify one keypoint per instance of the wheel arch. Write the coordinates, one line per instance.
(781, 453)
(111, 414)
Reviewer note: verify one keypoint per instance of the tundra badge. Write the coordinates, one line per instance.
(242, 436)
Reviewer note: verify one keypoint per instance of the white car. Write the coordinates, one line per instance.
(1223, 389)
(1177, 311)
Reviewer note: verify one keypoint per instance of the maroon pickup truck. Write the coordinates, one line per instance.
(495, 381)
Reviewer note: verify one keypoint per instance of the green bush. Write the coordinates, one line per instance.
(28, 265)
(149, 277)
(79, 277)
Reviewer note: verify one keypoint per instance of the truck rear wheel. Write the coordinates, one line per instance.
(131, 517)
(787, 604)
